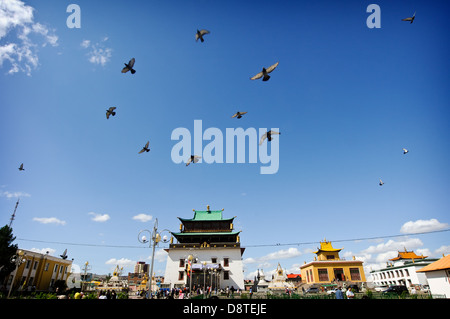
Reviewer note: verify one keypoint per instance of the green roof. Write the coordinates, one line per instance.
(205, 215)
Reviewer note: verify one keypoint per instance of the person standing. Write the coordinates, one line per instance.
(350, 294)
(339, 294)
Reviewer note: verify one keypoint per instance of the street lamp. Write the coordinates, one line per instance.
(191, 259)
(84, 281)
(155, 239)
(17, 259)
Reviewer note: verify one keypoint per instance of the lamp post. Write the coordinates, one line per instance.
(84, 281)
(153, 242)
(190, 259)
(18, 259)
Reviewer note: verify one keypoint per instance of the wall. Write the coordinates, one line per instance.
(204, 255)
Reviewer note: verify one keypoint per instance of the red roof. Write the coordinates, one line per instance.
(294, 276)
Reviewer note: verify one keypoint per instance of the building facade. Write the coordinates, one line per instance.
(438, 276)
(38, 272)
(402, 270)
(207, 252)
(328, 267)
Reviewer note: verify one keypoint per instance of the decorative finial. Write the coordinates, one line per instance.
(207, 208)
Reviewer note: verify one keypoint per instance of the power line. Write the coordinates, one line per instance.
(246, 246)
(352, 239)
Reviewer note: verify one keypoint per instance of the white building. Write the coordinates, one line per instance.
(207, 253)
(438, 276)
(402, 270)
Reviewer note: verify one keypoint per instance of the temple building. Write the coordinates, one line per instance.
(207, 252)
(403, 270)
(328, 267)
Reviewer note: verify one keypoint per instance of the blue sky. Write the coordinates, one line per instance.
(345, 97)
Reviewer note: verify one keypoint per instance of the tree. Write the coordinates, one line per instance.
(7, 250)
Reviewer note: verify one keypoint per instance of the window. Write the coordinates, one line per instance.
(407, 272)
(323, 274)
(56, 268)
(180, 275)
(226, 275)
(46, 266)
(181, 263)
(354, 274)
(28, 264)
(330, 257)
(214, 260)
(35, 265)
(226, 262)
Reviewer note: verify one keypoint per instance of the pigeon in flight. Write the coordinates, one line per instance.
(410, 19)
(239, 114)
(193, 159)
(110, 112)
(405, 151)
(381, 182)
(21, 167)
(64, 255)
(129, 67)
(200, 34)
(268, 135)
(145, 148)
(265, 73)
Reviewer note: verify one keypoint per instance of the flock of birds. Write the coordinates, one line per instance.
(264, 74)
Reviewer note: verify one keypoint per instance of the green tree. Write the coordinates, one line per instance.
(7, 250)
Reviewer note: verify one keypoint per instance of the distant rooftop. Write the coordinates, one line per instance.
(407, 255)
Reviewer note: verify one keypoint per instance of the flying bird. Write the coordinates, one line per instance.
(239, 114)
(265, 73)
(21, 167)
(268, 135)
(129, 67)
(410, 18)
(200, 34)
(193, 159)
(64, 255)
(110, 112)
(145, 148)
(381, 182)
(405, 151)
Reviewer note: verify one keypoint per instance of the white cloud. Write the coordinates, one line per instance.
(21, 53)
(392, 245)
(14, 194)
(49, 220)
(160, 255)
(143, 218)
(44, 251)
(122, 262)
(85, 43)
(99, 217)
(420, 226)
(98, 54)
(281, 254)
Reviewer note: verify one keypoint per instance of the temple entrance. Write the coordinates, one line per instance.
(202, 277)
(339, 274)
(202, 280)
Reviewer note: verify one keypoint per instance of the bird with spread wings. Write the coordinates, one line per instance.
(265, 73)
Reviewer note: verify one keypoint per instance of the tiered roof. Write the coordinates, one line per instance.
(407, 255)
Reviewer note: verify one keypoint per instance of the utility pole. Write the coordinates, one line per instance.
(14, 214)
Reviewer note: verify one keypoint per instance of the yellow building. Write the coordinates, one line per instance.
(328, 267)
(38, 271)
